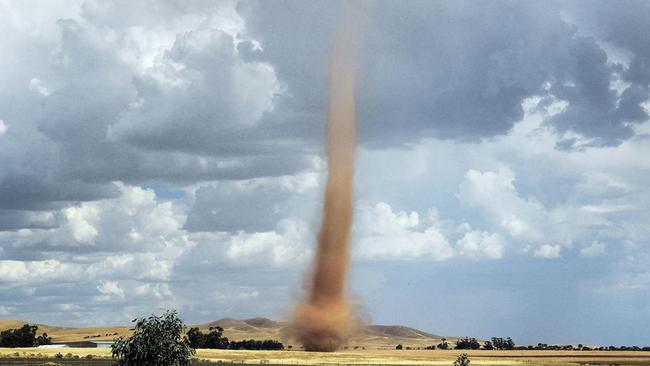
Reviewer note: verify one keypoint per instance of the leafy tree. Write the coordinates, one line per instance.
(43, 339)
(462, 360)
(21, 337)
(500, 343)
(196, 338)
(215, 339)
(443, 344)
(156, 340)
(467, 343)
(488, 345)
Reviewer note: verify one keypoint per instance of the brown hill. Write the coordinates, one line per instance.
(371, 336)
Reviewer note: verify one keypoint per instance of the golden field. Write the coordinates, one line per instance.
(371, 345)
(383, 357)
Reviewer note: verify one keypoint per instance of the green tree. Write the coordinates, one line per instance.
(467, 343)
(488, 345)
(21, 337)
(462, 360)
(196, 338)
(43, 339)
(156, 341)
(215, 339)
(443, 344)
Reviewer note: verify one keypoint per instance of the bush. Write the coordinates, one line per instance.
(399, 347)
(462, 360)
(156, 340)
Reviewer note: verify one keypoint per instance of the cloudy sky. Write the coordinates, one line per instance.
(159, 154)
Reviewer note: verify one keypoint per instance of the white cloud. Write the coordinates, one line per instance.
(3, 128)
(548, 251)
(155, 290)
(34, 272)
(37, 85)
(110, 290)
(595, 249)
(384, 234)
(280, 247)
(495, 193)
(6, 310)
(81, 221)
(477, 244)
(140, 266)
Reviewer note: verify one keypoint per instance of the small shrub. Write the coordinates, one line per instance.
(462, 360)
(58, 355)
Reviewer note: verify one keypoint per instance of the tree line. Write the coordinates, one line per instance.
(497, 343)
(23, 337)
(473, 343)
(215, 339)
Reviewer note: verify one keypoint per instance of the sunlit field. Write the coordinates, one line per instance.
(34, 356)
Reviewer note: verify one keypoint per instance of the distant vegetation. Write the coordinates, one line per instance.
(467, 343)
(23, 337)
(508, 344)
(500, 343)
(580, 347)
(214, 339)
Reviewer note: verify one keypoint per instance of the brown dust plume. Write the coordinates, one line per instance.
(323, 320)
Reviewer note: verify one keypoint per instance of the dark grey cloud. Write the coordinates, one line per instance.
(90, 109)
(453, 70)
(235, 207)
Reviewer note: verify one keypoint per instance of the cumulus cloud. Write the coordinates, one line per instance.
(388, 235)
(595, 249)
(37, 85)
(34, 272)
(495, 193)
(548, 251)
(109, 290)
(476, 244)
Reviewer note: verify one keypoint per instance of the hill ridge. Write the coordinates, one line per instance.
(379, 335)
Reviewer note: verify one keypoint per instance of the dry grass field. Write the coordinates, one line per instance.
(372, 345)
(382, 357)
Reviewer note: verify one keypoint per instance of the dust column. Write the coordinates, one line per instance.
(323, 320)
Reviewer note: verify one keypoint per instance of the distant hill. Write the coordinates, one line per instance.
(370, 336)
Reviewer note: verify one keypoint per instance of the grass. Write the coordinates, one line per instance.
(361, 357)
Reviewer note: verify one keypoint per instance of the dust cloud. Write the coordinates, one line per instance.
(324, 319)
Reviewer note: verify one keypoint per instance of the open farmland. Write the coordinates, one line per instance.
(365, 357)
